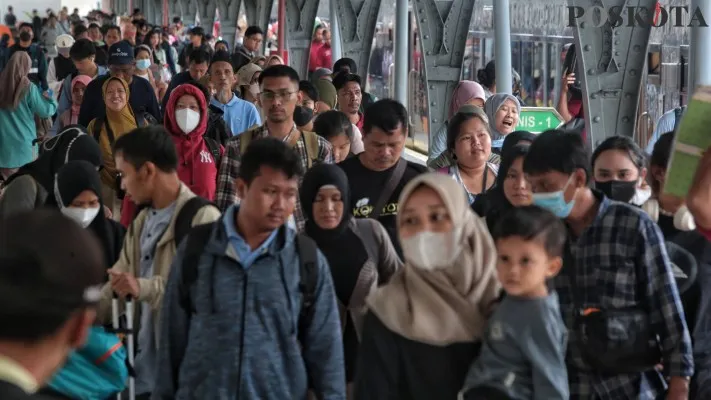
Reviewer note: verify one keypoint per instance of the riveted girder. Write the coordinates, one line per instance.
(357, 20)
(229, 11)
(206, 9)
(443, 28)
(610, 64)
(300, 20)
(258, 13)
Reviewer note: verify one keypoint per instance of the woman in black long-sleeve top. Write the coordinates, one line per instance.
(424, 327)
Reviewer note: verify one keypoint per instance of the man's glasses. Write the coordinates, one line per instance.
(270, 96)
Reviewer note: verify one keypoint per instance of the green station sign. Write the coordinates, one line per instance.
(538, 119)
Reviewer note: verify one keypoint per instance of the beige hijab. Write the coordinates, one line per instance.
(449, 305)
(14, 81)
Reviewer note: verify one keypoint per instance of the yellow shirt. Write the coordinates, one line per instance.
(12, 372)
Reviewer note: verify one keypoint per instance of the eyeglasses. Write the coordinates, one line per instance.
(269, 96)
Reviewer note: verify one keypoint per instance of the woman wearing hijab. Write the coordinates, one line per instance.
(186, 120)
(424, 327)
(469, 147)
(274, 60)
(77, 193)
(358, 251)
(71, 116)
(29, 187)
(466, 92)
(503, 111)
(20, 102)
(118, 121)
(327, 95)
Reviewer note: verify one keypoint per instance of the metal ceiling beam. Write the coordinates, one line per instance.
(300, 21)
(611, 62)
(443, 27)
(357, 19)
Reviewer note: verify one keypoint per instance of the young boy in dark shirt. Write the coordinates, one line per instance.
(523, 354)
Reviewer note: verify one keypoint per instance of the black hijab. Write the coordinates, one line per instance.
(72, 143)
(72, 179)
(344, 250)
(514, 138)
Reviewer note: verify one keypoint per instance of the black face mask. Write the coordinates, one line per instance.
(618, 190)
(25, 36)
(303, 115)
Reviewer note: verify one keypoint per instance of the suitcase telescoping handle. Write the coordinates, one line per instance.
(129, 337)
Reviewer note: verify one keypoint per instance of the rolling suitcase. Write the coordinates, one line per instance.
(128, 331)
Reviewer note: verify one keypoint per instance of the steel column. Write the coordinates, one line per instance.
(402, 45)
(336, 48)
(258, 13)
(229, 12)
(443, 27)
(357, 20)
(300, 21)
(502, 45)
(699, 48)
(610, 63)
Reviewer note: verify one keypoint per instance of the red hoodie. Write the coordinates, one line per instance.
(197, 167)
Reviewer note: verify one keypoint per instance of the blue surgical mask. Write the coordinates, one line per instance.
(143, 64)
(555, 201)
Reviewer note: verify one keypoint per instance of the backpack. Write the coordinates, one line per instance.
(310, 138)
(97, 370)
(184, 220)
(100, 121)
(308, 271)
(214, 148)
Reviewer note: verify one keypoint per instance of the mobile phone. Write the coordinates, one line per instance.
(50, 92)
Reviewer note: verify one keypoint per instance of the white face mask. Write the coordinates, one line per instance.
(641, 196)
(187, 119)
(82, 216)
(430, 250)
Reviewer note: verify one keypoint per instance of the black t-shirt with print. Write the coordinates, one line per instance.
(366, 185)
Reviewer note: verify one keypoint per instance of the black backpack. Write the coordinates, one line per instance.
(308, 271)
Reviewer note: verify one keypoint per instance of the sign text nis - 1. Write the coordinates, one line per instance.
(538, 119)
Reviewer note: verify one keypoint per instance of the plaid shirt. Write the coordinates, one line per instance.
(621, 241)
(229, 169)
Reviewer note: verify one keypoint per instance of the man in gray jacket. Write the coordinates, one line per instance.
(237, 322)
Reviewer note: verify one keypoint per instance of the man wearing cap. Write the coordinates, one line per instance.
(60, 66)
(50, 281)
(122, 65)
(240, 115)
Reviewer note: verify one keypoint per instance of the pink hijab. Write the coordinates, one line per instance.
(85, 79)
(465, 91)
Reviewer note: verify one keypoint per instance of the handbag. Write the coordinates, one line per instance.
(615, 340)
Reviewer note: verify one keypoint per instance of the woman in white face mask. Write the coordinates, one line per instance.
(186, 119)
(431, 316)
(77, 191)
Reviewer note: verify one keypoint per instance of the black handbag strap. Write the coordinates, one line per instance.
(390, 185)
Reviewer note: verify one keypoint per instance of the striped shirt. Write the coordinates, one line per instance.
(229, 169)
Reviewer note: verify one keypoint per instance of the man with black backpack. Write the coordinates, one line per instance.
(147, 162)
(250, 310)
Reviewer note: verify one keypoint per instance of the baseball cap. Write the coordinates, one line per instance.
(64, 41)
(121, 53)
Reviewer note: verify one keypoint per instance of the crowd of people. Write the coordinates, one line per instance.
(262, 237)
